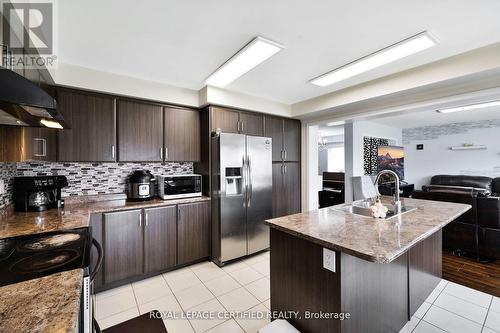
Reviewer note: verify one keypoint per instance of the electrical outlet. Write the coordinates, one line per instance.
(329, 259)
(2, 187)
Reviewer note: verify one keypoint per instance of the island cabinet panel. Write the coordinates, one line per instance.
(140, 132)
(226, 120)
(425, 268)
(182, 134)
(160, 238)
(123, 245)
(376, 295)
(251, 123)
(193, 232)
(92, 117)
(300, 283)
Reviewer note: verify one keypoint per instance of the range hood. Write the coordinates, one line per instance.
(23, 103)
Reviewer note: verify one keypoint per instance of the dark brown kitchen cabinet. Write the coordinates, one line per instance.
(233, 121)
(160, 238)
(286, 138)
(252, 123)
(182, 134)
(140, 132)
(225, 119)
(11, 144)
(193, 232)
(291, 140)
(39, 144)
(123, 245)
(286, 189)
(92, 117)
(96, 226)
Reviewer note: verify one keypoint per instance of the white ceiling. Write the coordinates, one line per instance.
(431, 117)
(182, 42)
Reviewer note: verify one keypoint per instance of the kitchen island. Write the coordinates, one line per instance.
(378, 271)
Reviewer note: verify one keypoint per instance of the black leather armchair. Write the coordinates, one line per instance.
(478, 230)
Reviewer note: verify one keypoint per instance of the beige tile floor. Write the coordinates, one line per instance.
(244, 286)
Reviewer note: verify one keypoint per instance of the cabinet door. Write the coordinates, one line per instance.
(140, 132)
(182, 135)
(123, 244)
(92, 135)
(160, 238)
(274, 129)
(11, 144)
(279, 202)
(251, 123)
(39, 144)
(225, 119)
(96, 225)
(291, 140)
(193, 232)
(291, 180)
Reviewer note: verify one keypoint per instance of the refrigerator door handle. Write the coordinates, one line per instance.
(245, 185)
(250, 187)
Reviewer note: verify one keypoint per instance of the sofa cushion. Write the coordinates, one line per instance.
(496, 185)
(480, 192)
(477, 182)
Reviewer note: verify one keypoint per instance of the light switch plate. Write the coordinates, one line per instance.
(329, 259)
(2, 186)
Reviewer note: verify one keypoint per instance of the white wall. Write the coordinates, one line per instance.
(353, 137)
(437, 158)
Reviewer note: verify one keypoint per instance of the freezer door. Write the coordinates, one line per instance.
(233, 229)
(259, 197)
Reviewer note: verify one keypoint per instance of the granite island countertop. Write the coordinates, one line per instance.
(75, 214)
(375, 240)
(45, 305)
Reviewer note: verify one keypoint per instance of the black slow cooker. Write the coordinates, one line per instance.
(141, 186)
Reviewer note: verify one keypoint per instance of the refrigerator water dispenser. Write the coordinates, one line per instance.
(234, 181)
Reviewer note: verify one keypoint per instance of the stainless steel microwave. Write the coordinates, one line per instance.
(179, 186)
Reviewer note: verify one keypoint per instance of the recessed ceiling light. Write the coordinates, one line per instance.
(251, 55)
(470, 107)
(382, 57)
(51, 123)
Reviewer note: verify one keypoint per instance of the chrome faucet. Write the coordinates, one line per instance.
(397, 200)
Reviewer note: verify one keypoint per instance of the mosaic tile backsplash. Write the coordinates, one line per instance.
(86, 178)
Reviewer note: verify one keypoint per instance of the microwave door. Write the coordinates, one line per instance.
(233, 188)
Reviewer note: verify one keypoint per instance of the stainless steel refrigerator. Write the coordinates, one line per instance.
(241, 195)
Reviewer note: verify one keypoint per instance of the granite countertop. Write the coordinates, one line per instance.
(49, 304)
(76, 214)
(371, 239)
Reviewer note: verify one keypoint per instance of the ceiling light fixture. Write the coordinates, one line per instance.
(404, 48)
(470, 107)
(251, 55)
(51, 123)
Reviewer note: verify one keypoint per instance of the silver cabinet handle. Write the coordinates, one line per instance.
(161, 153)
(284, 151)
(140, 219)
(285, 167)
(282, 155)
(44, 147)
(146, 218)
(113, 151)
(241, 126)
(166, 153)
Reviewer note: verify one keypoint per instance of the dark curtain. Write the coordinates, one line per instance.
(370, 150)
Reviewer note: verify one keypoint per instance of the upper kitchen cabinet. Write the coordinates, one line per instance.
(233, 121)
(92, 118)
(291, 140)
(286, 138)
(182, 134)
(225, 119)
(39, 144)
(11, 144)
(140, 132)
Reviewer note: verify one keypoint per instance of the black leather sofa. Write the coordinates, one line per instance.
(478, 230)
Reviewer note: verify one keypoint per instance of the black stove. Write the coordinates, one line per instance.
(32, 256)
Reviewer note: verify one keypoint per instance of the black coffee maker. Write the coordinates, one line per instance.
(36, 194)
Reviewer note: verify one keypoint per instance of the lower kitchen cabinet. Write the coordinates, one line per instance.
(193, 232)
(123, 245)
(160, 238)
